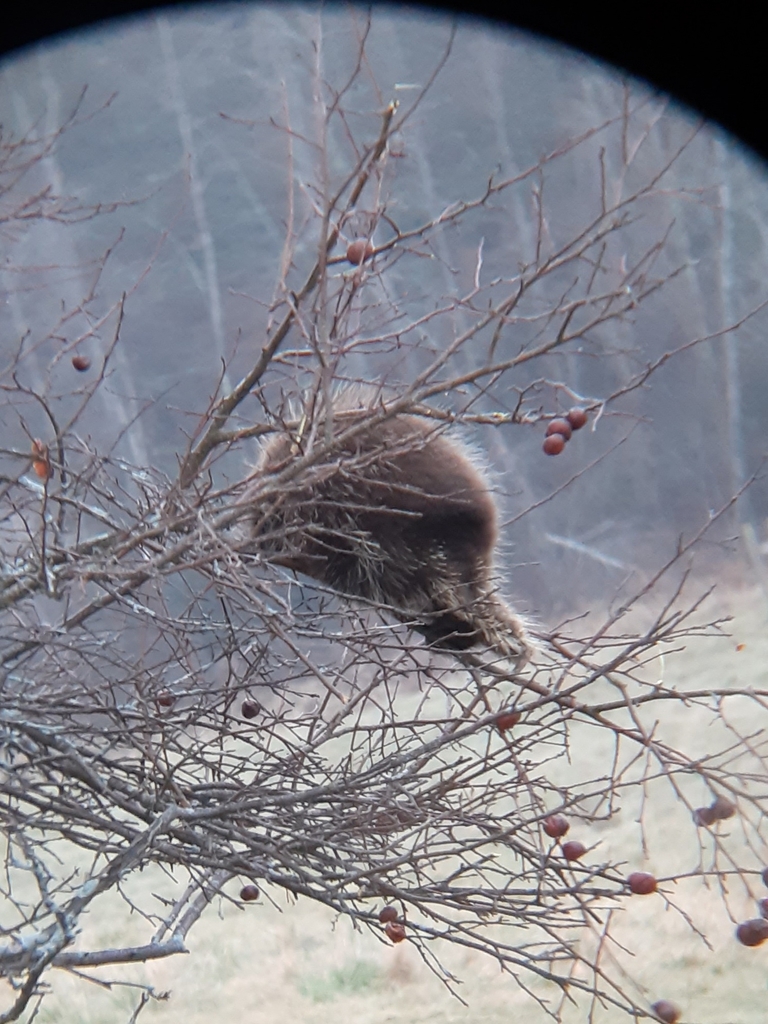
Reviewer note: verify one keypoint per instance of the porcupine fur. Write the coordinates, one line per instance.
(400, 515)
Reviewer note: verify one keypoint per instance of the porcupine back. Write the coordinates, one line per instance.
(399, 515)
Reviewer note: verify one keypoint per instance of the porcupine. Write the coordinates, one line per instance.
(400, 515)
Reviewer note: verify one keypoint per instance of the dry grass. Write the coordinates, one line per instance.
(292, 961)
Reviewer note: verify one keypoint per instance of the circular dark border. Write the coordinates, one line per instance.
(712, 65)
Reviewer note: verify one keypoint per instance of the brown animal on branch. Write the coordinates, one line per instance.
(400, 515)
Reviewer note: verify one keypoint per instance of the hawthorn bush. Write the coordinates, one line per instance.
(172, 695)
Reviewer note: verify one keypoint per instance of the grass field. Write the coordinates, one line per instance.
(292, 961)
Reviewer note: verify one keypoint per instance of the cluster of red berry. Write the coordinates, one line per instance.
(556, 826)
(640, 883)
(720, 810)
(559, 430)
(393, 928)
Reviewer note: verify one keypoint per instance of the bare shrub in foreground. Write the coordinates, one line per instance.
(173, 695)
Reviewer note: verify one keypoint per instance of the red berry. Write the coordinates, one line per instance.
(577, 418)
(395, 932)
(555, 826)
(81, 363)
(559, 427)
(573, 850)
(666, 1011)
(41, 462)
(507, 720)
(388, 914)
(763, 907)
(722, 809)
(249, 893)
(554, 444)
(641, 883)
(359, 250)
(249, 709)
(165, 699)
(752, 933)
(704, 816)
